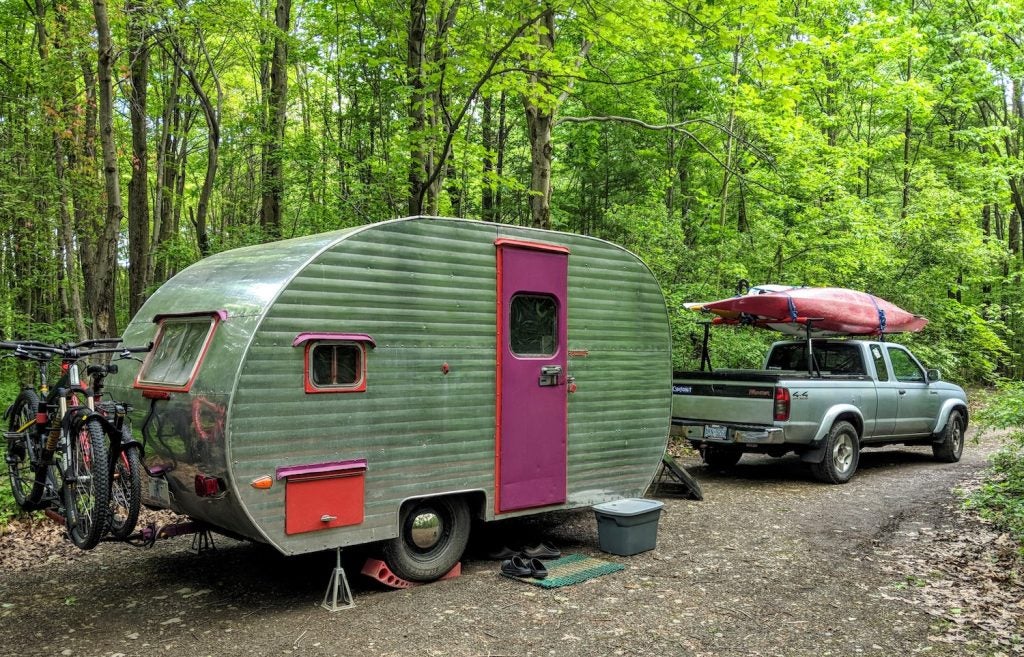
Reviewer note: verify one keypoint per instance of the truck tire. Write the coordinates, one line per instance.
(951, 445)
(721, 457)
(842, 454)
(432, 535)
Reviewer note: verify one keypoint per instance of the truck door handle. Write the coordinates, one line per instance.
(903, 392)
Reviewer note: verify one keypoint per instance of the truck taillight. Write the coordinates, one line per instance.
(781, 404)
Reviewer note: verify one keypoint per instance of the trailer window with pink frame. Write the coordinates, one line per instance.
(334, 362)
(178, 350)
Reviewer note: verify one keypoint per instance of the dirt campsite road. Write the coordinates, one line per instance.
(770, 563)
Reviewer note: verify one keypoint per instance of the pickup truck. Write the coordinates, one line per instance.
(824, 400)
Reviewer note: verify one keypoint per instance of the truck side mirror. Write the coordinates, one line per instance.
(934, 375)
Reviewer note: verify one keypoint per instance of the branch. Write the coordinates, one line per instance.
(679, 128)
(674, 127)
(470, 100)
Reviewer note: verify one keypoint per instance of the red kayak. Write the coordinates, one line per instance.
(835, 311)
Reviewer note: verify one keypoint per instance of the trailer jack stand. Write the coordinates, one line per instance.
(202, 541)
(338, 588)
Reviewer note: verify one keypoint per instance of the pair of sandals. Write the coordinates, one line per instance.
(519, 567)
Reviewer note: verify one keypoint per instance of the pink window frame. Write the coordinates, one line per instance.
(215, 316)
(313, 340)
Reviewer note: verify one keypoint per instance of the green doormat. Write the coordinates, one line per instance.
(571, 569)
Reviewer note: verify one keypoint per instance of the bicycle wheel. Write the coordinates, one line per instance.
(125, 493)
(86, 485)
(21, 423)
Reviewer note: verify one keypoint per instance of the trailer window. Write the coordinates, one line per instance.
(178, 350)
(533, 329)
(335, 367)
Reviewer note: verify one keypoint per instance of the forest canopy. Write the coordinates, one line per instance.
(873, 145)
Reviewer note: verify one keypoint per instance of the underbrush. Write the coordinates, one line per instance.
(1000, 499)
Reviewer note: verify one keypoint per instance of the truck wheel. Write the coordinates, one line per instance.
(432, 535)
(949, 449)
(842, 453)
(721, 456)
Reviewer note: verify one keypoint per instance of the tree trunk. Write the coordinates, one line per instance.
(908, 131)
(104, 279)
(540, 116)
(487, 141)
(273, 174)
(415, 59)
(60, 161)
(138, 200)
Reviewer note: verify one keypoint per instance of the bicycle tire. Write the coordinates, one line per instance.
(86, 484)
(20, 468)
(125, 493)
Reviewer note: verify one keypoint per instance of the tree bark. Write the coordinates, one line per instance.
(540, 118)
(104, 280)
(138, 201)
(273, 174)
(414, 63)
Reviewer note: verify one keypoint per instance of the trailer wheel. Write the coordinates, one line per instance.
(949, 449)
(721, 457)
(842, 454)
(433, 534)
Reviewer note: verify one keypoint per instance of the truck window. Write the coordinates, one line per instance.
(831, 357)
(177, 352)
(904, 366)
(880, 367)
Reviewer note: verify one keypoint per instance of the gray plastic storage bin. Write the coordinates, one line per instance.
(628, 526)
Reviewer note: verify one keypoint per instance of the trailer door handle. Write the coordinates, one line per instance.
(549, 375)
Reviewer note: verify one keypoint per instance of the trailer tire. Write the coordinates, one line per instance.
(951, 446)
(432, 535)
(842, 454)
(721, 457)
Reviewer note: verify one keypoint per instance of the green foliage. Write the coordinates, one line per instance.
(1000, 498)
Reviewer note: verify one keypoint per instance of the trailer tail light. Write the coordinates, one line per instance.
(207, 486)
(781, 404)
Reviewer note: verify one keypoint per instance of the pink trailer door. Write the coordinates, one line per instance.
(532, 359)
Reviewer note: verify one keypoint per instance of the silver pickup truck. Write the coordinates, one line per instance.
(824, 405)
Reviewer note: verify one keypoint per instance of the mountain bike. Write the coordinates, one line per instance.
(64, 454)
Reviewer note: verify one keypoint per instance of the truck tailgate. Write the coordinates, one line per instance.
(746, 400)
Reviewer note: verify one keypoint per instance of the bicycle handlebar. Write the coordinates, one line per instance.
(30, 349)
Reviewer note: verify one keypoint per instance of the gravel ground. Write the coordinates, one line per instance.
(770, 563)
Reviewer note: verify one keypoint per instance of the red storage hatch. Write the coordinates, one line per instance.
(323, 495)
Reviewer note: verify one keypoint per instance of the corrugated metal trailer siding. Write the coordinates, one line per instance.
(617, 425)
(425, 294)
(425, 291)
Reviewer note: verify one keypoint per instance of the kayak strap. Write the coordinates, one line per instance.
(881, 314)
(792, 308)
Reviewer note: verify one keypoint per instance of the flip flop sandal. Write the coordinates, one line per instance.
(541, 551)
(537, 569)
(516, 567)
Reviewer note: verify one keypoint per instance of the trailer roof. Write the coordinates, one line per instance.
(242, 281)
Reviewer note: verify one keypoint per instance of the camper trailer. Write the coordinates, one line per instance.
(390, 382)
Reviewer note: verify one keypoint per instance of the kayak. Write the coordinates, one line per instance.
(829, 310)
(754, 290)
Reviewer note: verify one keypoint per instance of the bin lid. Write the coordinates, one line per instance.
(628, 507)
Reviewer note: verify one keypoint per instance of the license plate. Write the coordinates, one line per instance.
(715, 432)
